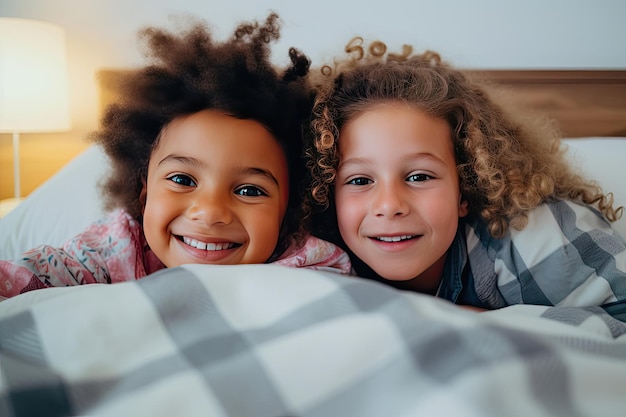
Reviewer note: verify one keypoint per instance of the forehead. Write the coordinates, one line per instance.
(212, 128)
(398, 124)
(217, 138)
(216, 123)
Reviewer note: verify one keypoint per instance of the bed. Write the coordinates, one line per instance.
(264, 340)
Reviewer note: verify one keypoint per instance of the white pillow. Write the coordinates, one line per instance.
(603, 160)
(69, 201)
(58, 209)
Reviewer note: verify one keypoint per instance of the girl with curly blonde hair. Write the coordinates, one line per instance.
(432, 185)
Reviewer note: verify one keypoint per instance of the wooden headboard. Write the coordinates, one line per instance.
(584, 103)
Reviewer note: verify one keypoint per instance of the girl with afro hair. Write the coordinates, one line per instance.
(206, 151)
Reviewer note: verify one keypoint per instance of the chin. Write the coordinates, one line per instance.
(396, 276)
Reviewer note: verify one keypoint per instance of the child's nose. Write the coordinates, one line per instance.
(210, 207)
(390, 201)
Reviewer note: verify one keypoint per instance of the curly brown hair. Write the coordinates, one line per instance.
(188, 71)
(508, 162)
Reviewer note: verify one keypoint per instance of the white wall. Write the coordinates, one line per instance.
(470, 33)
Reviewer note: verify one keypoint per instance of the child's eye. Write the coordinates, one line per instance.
(250, 191)
(360, 181)
(418, 178)
(182, 179)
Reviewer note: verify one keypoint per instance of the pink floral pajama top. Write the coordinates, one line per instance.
(114, 249)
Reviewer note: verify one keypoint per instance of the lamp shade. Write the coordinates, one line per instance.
(33, 77)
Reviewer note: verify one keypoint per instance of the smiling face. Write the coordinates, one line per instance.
(216, 191)
(397, 193)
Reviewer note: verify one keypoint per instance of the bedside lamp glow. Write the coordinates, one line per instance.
(33, 82)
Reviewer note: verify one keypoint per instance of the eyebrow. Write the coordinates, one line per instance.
(259, 171)
(417, 155)
(351, 161)
(188, 160)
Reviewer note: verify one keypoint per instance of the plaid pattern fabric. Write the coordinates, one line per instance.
(267, 340)
(567, 255)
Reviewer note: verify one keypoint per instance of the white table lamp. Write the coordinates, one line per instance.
(33, 82)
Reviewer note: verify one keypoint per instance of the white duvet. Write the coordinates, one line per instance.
(265, 340)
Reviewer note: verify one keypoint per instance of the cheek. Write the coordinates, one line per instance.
(152, 214)
(152, 207)
(349, 212)
(159, 209)
(443, 213)
(263, 232)
(269, 232)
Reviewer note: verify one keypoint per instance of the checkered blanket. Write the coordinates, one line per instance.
(265, 340)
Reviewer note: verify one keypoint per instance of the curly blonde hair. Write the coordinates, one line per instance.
(507, 163)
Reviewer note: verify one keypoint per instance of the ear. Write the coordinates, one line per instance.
(143, 195)
(463, 206)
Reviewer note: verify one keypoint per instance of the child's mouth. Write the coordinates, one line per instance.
(208, 246)
(393, 239)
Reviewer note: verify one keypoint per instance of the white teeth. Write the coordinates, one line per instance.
(394, 238)
(207, 246)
